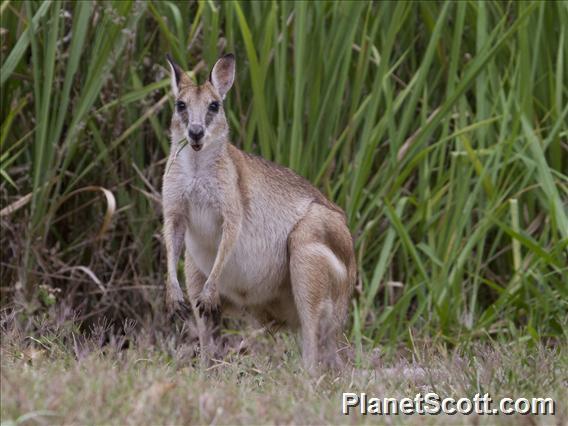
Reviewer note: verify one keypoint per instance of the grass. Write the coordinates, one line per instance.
(440, 128)
(56, 375)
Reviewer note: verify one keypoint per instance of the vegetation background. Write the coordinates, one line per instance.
(440, 128)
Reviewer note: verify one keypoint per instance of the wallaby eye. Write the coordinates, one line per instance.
(214, 106)
(180, 106)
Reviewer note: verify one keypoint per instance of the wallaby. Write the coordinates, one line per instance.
(258, 237)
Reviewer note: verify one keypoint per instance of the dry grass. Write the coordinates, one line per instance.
(52, 373)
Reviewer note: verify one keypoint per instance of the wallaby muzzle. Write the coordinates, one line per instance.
(196, 133)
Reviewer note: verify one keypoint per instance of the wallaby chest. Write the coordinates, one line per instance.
(197, 199)
(202, 204)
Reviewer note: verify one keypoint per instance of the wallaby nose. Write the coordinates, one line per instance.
(196, 132)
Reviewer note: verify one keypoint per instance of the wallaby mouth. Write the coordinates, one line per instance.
(196, 146)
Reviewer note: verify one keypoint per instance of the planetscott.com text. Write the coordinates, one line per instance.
(432, 404)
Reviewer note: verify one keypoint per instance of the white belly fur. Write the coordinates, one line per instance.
(258, 264)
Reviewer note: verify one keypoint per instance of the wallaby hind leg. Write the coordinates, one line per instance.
(208, 325)
(321, 262)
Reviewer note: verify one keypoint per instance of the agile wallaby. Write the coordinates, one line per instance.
(257, 236)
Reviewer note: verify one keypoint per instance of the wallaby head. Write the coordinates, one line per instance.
(199, 116)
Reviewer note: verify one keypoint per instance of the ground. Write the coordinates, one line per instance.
(61, 377)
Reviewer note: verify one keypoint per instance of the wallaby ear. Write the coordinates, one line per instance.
(223, 74)
(177, 73)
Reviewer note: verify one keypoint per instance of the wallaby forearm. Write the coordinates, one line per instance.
(228, 239)
(173, 235)
(209, 300)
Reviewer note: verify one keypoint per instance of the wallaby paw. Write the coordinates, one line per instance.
(208, 305)
(183, 311)
(178, 309)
